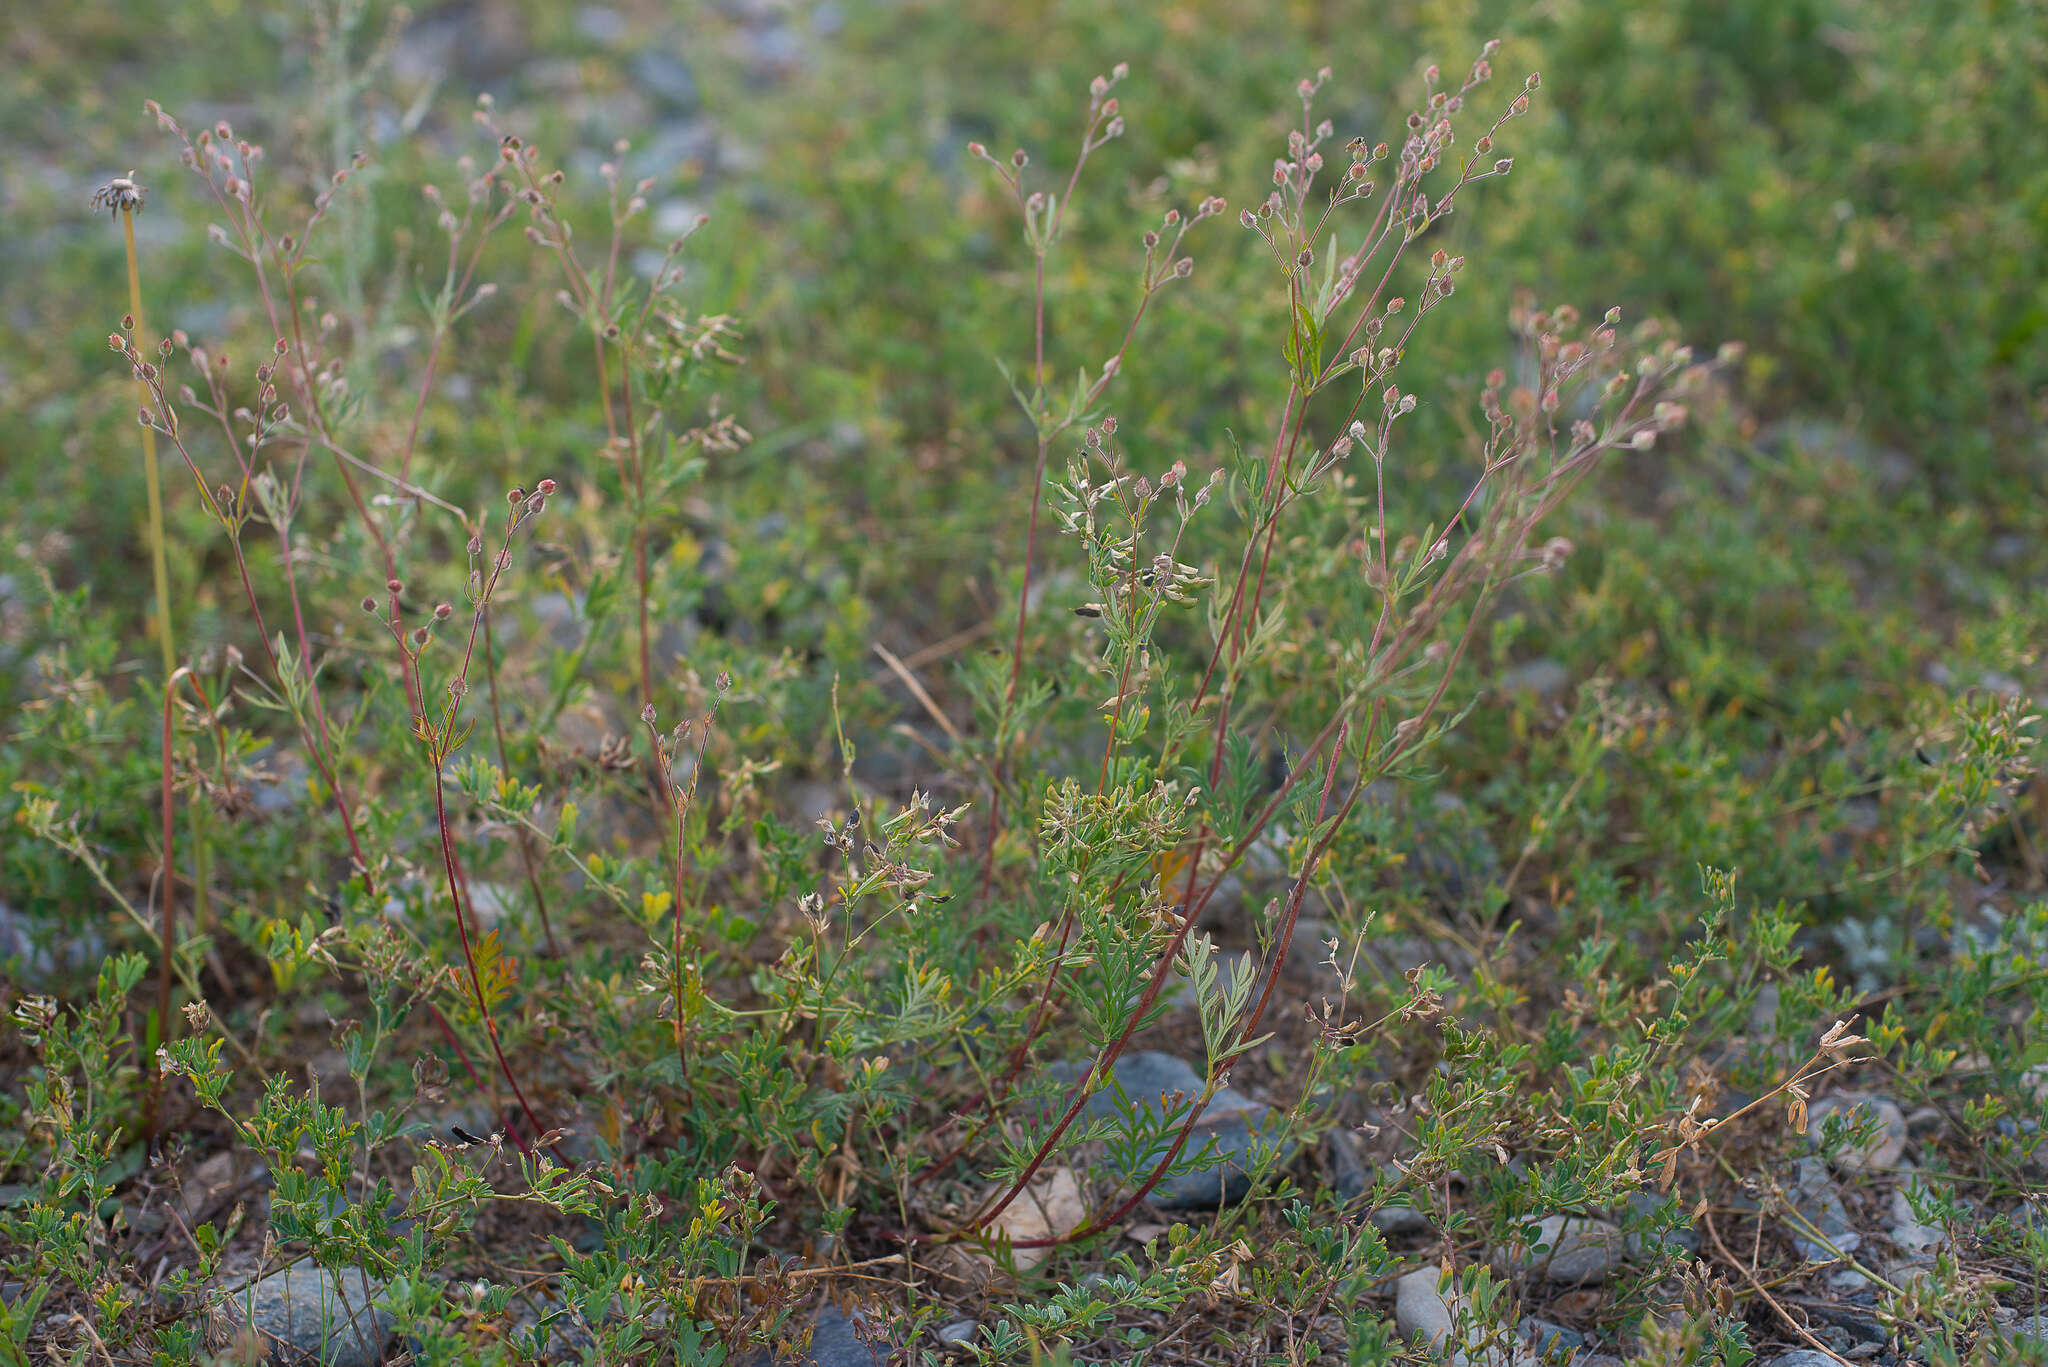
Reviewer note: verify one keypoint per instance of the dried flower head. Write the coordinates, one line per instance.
(120, 195)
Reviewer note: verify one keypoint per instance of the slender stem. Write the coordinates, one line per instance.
(540, 901)
(158, 565)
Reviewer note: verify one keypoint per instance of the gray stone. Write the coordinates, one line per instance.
(284, 787)
(667, 77)
(835, 1342)
(2033, 1328)
(1569, 1251)
(1649, 1206)
(675, 147)
(45, 951)
(1419, 1312)
(1818, 1201)
(1804, 1357)
(1232, 1120)
(959, 1331)
(306, 1313)
(490, 903)
(1884, 1149)
(1890, 469)
(600, 25)
(559, 621)
(1351, 1178)
(1544, 677)
(1546, 1335)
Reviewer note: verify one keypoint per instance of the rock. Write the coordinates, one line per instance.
(1883, 1150)
(558, 620)
(1051, 1206)
(479, 44)
(1906, 1273)
(1352, 1178)
(1544, 677)
(1394, 1219)
(1547, 1336)
(1344, 1160)
(197, 1192)
(1419, 1311)
(1570, 1251)
(667, 77)
(305, 1313)
(35, 952)
(564, 1340)
(2034, 1329)
(600, 25)
(1804, 1357)
(490, 903)
(284, 785)
(959, 1331)
(1232, 1120)
(1445, 849)
(1858, 1322)
(835, 1342)
(1816, 1199)
(812, 801)
(677, 147)
(1907, 1231)
(1650, 1207)
(1890, 469)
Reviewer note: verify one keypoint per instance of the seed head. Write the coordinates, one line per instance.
(120, 194)
(369, 603)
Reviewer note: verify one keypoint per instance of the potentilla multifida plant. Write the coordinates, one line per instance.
(1175, 806)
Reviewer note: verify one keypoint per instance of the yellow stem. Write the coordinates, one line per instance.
(149, 467)
(159, 565)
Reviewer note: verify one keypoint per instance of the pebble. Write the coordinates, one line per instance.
(1648, 1205)
(959, 1331)
(1804, 1357)
(1543, 676)
(1231, 1119)
(320, 1315)
(1351, 1178)
(1545, 1334)
(1419, 1311)
(666, 77)
(1817, 1199)
(835, 1342)
(44, 952)
(1580, 1250)
(1884, 1149)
